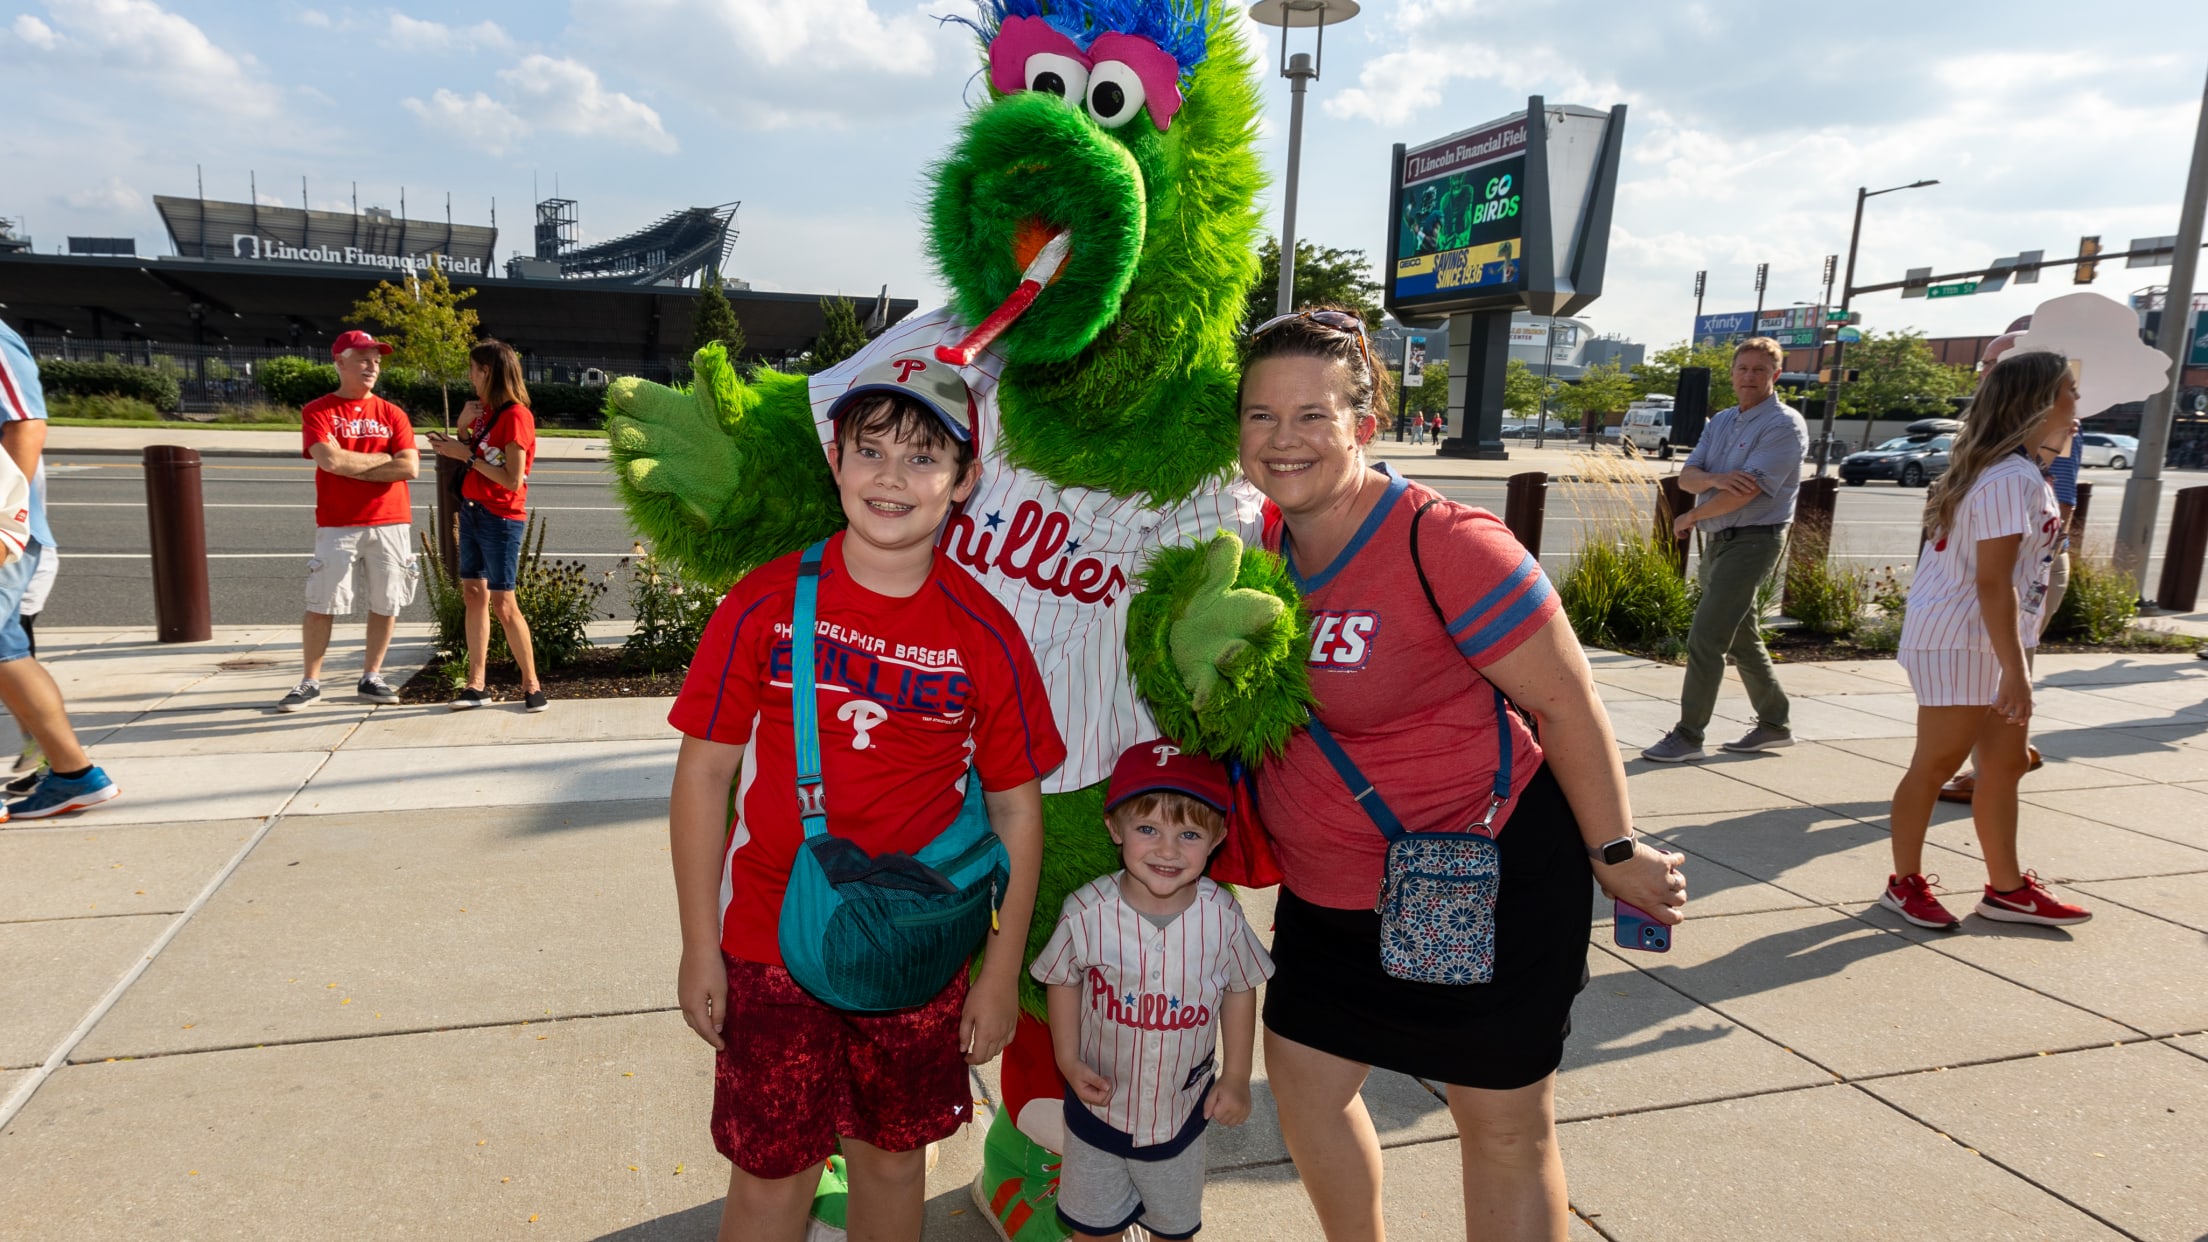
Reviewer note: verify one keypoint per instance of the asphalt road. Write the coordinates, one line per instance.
(260, 528)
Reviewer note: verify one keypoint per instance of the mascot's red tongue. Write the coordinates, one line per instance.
(1040, 272)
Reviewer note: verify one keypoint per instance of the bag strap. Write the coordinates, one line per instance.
(1501, 787)
(812, 799)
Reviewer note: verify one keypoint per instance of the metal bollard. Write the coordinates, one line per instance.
(176, 520)
(449, 476)
(2077, 515)
(2179, 590)
(1524, 504)
(1671, 501)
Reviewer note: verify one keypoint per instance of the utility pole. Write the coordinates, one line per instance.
(1763, 274)
(1847, 292)
(2135, 527)
(1700, 278)
(1824, 312)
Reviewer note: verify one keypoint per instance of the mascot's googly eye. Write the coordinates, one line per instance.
(1062, 76)
(1115, 94)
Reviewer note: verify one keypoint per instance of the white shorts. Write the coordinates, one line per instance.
(1951, 676)
(386, 555)
(42, 581)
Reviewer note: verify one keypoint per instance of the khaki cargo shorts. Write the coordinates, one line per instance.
(386, 557)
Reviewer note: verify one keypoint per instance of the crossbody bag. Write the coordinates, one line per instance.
(1437, 889)
(872, 933)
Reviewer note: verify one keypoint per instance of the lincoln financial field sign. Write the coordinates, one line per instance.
(248, 246)
(1460, 225)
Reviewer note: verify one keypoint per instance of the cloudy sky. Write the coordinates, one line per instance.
(1746, 135)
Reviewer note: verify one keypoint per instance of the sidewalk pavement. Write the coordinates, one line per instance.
(404, 972)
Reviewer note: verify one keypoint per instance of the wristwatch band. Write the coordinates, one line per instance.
(1614, 851)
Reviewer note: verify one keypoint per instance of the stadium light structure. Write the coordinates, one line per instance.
(1301, 70)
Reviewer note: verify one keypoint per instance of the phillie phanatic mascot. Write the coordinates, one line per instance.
(1094, 220)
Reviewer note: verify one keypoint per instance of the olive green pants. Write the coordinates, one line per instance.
(1734, 563)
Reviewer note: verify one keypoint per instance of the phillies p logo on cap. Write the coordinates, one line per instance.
(921, 378)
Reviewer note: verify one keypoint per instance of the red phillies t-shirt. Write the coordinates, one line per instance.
(514, 430)
(369, 424)
(910, 692)
(1404, 698)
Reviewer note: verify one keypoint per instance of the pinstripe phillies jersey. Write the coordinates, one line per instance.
(1150, 998)
(1061, 560)
(2009, 498)
(21, 397)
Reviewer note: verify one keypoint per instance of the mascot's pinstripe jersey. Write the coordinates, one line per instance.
(1124, 130)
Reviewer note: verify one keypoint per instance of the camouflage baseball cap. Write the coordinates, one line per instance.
(922, 377)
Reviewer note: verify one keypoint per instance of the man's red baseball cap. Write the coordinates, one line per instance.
(356, 339)
(1161, 764)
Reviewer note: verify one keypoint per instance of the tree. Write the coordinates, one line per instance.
(1432, 394)
(1897, 376)
(1660, 373)
(430, 331)
(1602, 389)
(840, 335)
(716, 321)
(1522, 388)
(1327, 277)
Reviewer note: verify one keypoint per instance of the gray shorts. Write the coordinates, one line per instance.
(1100, 1193)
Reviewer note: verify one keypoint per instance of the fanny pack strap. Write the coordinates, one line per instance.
(812, 796)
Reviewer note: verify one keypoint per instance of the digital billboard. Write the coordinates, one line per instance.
(1460, 226)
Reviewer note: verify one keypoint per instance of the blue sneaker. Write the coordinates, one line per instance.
(55, 796)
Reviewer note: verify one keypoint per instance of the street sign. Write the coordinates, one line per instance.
(1851, 335)
(1960, 288)
(1837, 316)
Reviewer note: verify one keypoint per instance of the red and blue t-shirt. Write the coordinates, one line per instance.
(511, 431)
(910, 692)
(1404, 698)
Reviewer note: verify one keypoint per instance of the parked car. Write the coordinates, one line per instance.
(1912, 459)
(2115, 452)
(1647, 425)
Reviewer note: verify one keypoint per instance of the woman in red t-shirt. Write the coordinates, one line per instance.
(1406, 681)
(498, 441)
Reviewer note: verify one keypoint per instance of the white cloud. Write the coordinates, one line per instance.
(35, 32)
(317, 19)
(109, 196)
(140, 40)
(409, 34)
(542, 93)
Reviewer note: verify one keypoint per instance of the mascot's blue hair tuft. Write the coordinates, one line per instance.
(1181, 28)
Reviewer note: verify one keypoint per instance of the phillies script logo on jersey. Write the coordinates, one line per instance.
(359, 427)
(864, 666)
(1032, 547)
(1144, 1011)
(1342, 640)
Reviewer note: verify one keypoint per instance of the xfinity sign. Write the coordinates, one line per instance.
(269, 249)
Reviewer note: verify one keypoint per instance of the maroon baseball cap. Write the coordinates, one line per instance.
(1161, 764)
(356, 339)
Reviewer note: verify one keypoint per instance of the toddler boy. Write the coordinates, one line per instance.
(1145, 969)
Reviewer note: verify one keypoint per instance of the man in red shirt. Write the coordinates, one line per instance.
(363, 452)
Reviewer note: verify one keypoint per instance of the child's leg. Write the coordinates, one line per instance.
(1945, 736)
(888, 1191)
(2001, 761)
(772, 1210)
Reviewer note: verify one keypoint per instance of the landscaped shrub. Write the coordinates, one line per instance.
(559, 599)
(1823, 595)
(295, 381)
(2099, 606)
(155, 387)
(259, 413)
(671, 612)
(1625, 592)
(104, 406)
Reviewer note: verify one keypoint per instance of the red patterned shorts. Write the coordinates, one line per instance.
(797, 1074)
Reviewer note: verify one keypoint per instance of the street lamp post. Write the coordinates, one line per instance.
(1847, 293)
(1301, 70)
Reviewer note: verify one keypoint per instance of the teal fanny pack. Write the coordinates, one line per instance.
(870, 933)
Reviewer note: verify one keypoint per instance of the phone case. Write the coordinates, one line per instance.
(1637, 929)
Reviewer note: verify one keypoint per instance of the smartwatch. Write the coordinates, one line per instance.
(1611, 853)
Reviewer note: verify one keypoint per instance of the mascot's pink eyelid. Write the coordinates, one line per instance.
(1023, 38)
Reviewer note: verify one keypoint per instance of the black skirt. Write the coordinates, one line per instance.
(1329, 992)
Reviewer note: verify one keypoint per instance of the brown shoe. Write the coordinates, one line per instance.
(1959, 788)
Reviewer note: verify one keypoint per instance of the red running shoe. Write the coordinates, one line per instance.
(1911, 897)
(2031, 904)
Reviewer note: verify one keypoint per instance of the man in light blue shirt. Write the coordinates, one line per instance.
(26, 687)
(1745, 471)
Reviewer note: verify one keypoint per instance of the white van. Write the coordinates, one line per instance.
(1647, 425)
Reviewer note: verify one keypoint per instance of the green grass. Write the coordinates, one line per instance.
(176, 424)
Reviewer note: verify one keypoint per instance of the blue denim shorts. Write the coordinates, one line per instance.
(490, 546)
(15, 579)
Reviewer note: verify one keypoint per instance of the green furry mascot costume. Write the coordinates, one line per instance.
(1112, 173)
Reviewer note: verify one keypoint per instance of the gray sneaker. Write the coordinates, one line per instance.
(375, 689)
(1762, 737)
(1675, 748)
(302, 694)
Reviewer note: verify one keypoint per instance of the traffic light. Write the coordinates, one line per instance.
(2087, 248)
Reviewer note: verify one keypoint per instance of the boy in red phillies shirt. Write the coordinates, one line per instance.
(363, 452)
(921, 673)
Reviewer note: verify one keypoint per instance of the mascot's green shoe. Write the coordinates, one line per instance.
(1017, 1188)
(830, 1199)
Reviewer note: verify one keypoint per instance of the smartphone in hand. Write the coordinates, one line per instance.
(1636, 928)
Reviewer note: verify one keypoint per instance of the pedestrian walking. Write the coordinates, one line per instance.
(30, 762)
(73, 781)
(363, 451)
(1426, 615)
(1974, 607)
(498, 441)
(1744, 472)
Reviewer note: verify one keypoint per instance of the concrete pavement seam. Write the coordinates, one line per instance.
(59, 1057)
(308, 1041)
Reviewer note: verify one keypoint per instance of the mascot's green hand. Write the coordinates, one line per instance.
(1220, 620)
(679, 443)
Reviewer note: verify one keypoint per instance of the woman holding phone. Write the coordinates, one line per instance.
(498, 441)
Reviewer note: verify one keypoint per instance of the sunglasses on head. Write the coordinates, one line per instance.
(1340, 321)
